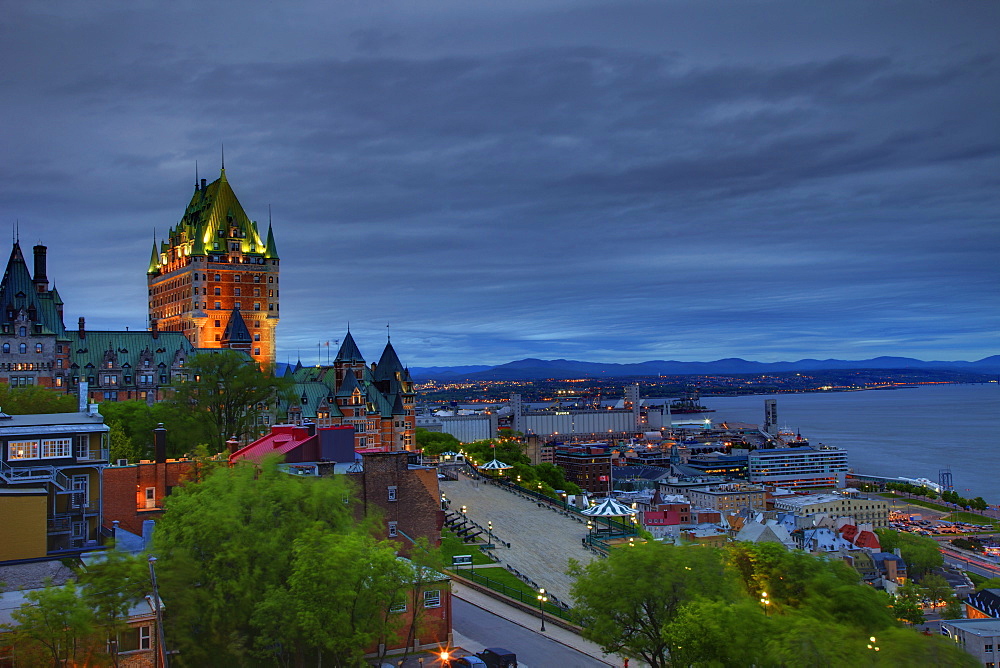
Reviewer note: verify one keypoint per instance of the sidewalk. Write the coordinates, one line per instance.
(530, 622)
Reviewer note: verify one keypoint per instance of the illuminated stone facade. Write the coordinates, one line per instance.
(212, 263)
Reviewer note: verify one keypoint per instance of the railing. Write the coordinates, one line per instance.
(19, 474)
(518, 595)
(59, 524)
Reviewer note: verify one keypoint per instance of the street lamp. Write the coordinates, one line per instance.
(489, 530)
(765, 601)
(464, 509)
(871, 644)
(541, 606)
(631, 541)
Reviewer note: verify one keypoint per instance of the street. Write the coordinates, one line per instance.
(481, 628)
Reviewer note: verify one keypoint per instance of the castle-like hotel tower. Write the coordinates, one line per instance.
(214, 277)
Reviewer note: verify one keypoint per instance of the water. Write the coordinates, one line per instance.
(906, 432)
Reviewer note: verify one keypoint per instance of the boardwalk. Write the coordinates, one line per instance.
(542, 540)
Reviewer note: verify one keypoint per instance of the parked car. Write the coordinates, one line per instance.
(463, 662)
(498, 657)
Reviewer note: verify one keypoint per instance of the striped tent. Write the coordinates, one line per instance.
(495, 465)
(608, 508)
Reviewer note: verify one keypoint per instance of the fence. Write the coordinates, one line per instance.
(519, 595)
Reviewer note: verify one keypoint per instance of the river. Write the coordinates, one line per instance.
(911, 432)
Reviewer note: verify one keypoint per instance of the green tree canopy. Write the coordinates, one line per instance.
(35, 400)
(922, 554)
(252, 558)
(627, 600)
(228, 393)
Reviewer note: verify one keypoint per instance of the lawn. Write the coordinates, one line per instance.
(505, 582)
(971, 518)
(452, 545)
(917, 502)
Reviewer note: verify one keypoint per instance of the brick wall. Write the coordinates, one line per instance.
(125, 490)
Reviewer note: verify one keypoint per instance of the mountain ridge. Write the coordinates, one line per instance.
(535, 369)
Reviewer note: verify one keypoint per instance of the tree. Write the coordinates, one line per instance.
(54, 625)
(34, 400)
(922, 554)
(110, 588)
(627, 600)
(237, 558)
(123, 447)
(936, 588)
(229, 393)
(434, 443)
(906, 605)
(719, 633)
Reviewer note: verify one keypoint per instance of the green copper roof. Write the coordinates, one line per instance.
(154, 261)
(271, 252)
(214, 219)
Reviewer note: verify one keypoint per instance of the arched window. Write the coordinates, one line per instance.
(22, 331)
(23, 347)
(6, 347)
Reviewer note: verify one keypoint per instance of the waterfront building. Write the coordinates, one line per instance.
(798, 467)
(586, 464)
(978, 637)
(50, 482)
(213, 270)
(728, 497)
(867, 511)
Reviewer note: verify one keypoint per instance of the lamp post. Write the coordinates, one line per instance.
(541, 606)
(464, 509)
(489, 531)
(765, 601)
(873, 647)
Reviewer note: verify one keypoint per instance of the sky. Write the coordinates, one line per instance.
(600, 181)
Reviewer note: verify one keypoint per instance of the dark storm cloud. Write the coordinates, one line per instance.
(644, 182)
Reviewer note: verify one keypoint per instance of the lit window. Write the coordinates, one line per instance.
(38, 347)
(22, 450)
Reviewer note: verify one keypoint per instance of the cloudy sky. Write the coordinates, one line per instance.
(602, 181)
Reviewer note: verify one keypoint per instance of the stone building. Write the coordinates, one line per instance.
(213, 264)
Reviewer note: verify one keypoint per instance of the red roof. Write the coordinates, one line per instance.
(283, 439)
(867, 539)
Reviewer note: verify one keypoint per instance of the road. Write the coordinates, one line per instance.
(480, 628)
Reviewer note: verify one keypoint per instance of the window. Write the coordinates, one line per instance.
(22, 331)
(59, 348)
(256, 351)
(149, 500)
(81, 491)
(256, 306)
(111, 380)
(6, 347)
(432, 598)
(238, 306)
(392, 492)
(82, 446)
(256, 336)
(23, 348)
(256, 292)
(22, 450)
(392, 530)
(399, 606)
(237, 293)
(987, 648)
(59, 364)
(38, 347)
(134, 639)
(218, 323)
(218, 305)
(59, 381)
(234, 247)
(218, 291)
(270, 279)
(218, 277)
(57, 447)
(236, 279)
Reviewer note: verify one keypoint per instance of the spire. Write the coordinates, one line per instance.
(271, 251)
(154, 261)
(349, 350)
(388, 364)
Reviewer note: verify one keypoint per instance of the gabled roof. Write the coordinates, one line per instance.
(18, 296)
(349, 350)
(236, 329)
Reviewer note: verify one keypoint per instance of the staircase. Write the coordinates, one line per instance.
(16, 475)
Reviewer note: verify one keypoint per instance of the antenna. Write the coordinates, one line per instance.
(387, 337)
(223, 145)
(195, 174)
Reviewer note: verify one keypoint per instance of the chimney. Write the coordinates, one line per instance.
(232, 445)
(41, 280)
(82, 396)
(204, 183)
(160, 444)
(83, 328)
(155, 328)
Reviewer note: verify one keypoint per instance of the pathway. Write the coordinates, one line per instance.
(542, 539)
